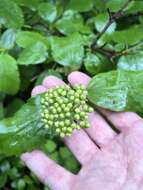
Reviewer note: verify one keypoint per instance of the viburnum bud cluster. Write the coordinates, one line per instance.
(65, 109)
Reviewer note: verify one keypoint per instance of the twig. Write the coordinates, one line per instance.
(112, 18)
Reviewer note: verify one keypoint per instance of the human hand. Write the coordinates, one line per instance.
(110, 161)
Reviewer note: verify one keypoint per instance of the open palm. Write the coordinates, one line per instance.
(110, 161)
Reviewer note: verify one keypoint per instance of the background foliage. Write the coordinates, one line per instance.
(39, 38)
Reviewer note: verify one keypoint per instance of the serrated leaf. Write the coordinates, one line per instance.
(68, 51)
(47, 11)
(9, 75)
(27, 38)
(32, 4)
(72, 22)
(114, 5)
(128, 36)
(81, 5)
(135, 6)
(117, 90)
(7, 39)
(24, 131)
(96, 63)
(101, 20)
(10, 14)
(33, 54)
(133, 62)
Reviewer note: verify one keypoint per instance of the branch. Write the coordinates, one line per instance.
(112, 18)
(111, 54)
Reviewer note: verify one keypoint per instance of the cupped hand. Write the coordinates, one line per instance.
(110, 160)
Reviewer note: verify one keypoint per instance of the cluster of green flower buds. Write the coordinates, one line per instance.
(65, 109)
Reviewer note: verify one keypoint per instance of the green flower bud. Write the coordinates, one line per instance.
(69, 129)
(77, 110)
(46, 126)
(61, 123)
(68, 114)
(58, 130)
(67, 109)
(54, 110)
(62, 135)
(57, 123)
(59, 109)
(82, 123)
(64, 129)
(82, 114)
(90, 109)
(63, 105)
(73, 125)
(50, 122)
(67, 122)
(77, 116)
(62, 116)
(56, 105)
(68, 134)
(72, 97)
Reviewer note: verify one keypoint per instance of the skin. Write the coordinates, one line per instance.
(109, 160)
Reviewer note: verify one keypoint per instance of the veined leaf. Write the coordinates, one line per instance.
(34, 54)
(47, 11)
(24, 131)
(68, 51)
(10, 14)
(129, 36)
(9, 75)
(72, 22)
(27, 38)
(133, 62)
(117, 90)
(81, 5)
(8, 39)
(32, 4)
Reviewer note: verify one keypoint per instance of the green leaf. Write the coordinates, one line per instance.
(27, 38)
(14, 106)
(117, 90)
(128, 36)
(135, 6)
(7, 39)
(47, 11)
(81, 5)
(24, 131)
(133, 62)
(68, 51)
(114, 5)
(101, 20)
(33, 54)
(72, 22)
(32, 4)
(96, 63)
(10, 14)
(1, 111)
(9, 75)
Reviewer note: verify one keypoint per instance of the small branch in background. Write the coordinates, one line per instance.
(112, 18)
(111, 54)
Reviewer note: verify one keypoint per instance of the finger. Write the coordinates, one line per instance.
(81, 146)
(99, 131)
(51, 82)
(37, 90)
(50, 173)
(122, 120)
(79, 143)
